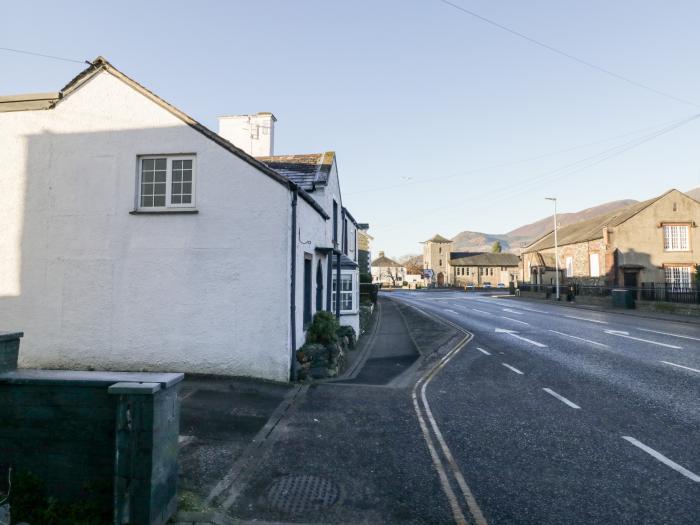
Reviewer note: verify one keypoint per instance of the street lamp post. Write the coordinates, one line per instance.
(556, 244)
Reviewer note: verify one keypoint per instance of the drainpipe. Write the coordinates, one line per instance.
(337, 265)
(293, 287)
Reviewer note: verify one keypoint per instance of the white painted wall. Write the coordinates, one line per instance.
(254, 134)
(93, 286)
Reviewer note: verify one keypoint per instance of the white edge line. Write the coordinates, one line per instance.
(481, 311)
(663, 459)
(483, 351)
(681, 366)
(580, 339)
(513, 368)
(561, 398)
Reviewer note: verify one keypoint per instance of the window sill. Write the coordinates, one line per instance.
(174, 211)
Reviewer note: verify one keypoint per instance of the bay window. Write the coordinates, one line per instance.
(347, 291)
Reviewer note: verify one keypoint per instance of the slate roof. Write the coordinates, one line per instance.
(592, 228)
(308, 171)
(347, 262)
(48, 101)
(385, 262)
(439, 239)
(487, 259)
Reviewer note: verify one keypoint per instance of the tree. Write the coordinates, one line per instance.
(413, 268)
(496, 247)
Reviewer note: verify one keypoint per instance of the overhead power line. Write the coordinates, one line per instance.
(526, 185)
(568, 55)
(22, 51)
(426, 180)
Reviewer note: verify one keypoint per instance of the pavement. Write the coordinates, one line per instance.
(342, 451)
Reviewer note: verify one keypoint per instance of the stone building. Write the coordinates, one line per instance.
(655, 241)
(436, 257)
(484, 269)
(444, 267)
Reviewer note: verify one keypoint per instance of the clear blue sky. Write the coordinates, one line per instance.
(415, 97)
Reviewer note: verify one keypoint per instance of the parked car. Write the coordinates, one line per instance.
(469, 286)
(501, 285)
(487, 284)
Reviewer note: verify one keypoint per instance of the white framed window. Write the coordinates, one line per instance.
(569, 266)
(678, 277)
(676, 238)
(595, 264)
(166, 182)
(347, 291)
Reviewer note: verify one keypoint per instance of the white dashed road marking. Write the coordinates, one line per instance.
(515, 320)
(483, 351)
(512, 368)
(672, 335)
(681, 366)
(586, 319)
(580, 339)
(663, 459)
(561, 398)
(513, 333)
(620, 333)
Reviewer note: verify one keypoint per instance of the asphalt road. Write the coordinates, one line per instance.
(562, 415)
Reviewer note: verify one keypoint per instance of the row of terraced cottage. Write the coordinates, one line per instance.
(132, 237)
(651, 243)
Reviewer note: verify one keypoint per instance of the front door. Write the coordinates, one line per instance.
(441, 279)
(630, 279)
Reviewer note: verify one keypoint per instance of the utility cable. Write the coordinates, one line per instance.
(568, 55)
(22, 51)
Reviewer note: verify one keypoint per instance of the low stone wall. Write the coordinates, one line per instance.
(593, 300)
(669, 308)
(533, 295)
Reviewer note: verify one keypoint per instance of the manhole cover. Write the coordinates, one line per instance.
(297, 494)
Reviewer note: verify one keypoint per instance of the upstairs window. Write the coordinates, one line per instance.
(676, 238)
(166, 182)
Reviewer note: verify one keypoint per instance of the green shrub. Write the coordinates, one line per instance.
(323, 329)
(349, 332)
(366, 278)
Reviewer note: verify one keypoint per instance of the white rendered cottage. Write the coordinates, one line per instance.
(134, 238)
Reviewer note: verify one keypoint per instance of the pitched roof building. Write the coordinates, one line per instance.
(654, 241)
(158, 232)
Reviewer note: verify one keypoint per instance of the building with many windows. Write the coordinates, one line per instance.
(132, 237)
(655, 241)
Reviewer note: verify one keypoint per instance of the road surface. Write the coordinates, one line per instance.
(561, 415)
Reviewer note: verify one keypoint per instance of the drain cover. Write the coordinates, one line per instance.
(297, 494)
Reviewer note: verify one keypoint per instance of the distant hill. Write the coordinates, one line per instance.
(512, 241)
(695, 194)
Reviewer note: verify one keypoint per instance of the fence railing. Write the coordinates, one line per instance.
(658, 292)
